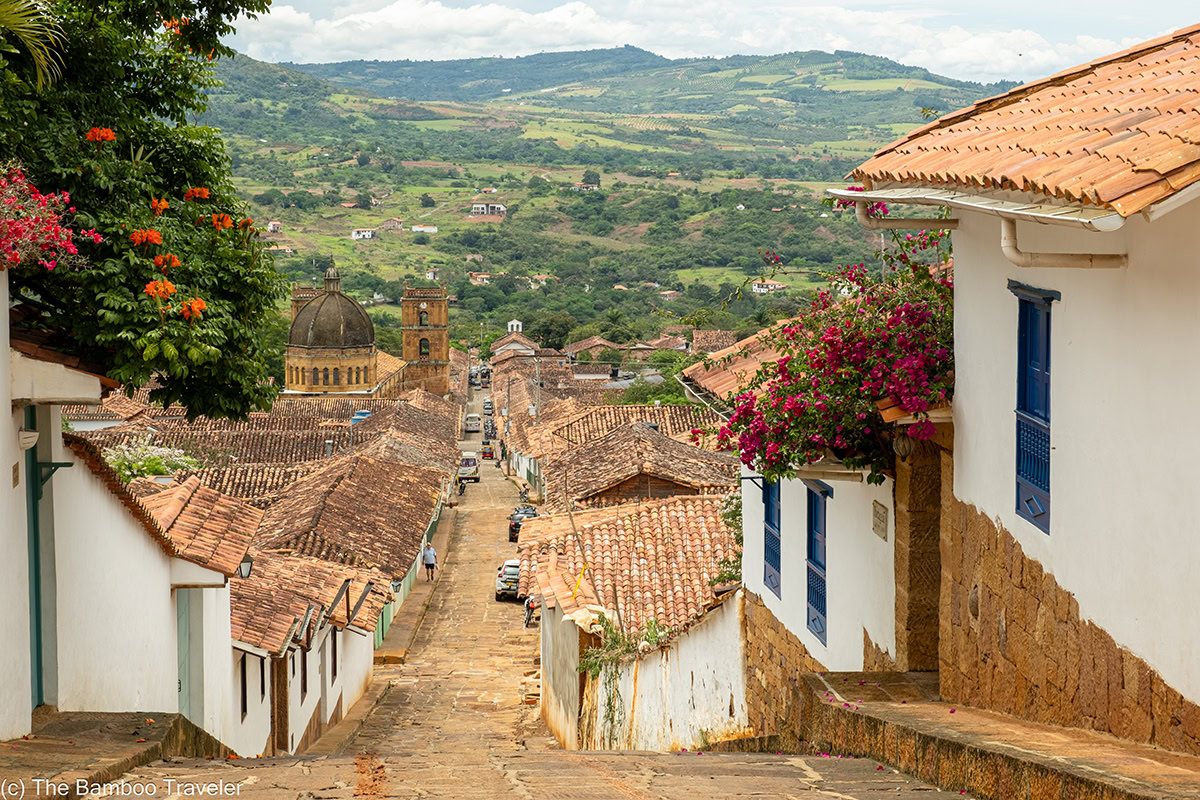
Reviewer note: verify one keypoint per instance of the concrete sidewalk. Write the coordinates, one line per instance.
(96, 748)
(897, 719)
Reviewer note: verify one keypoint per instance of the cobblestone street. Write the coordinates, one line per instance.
(454, 724)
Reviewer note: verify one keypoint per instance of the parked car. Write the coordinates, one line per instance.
(473, 423)
(508, 578)
(468, 467)
(515, 519)
(487, 451)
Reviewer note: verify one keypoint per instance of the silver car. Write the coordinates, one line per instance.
(508, 577)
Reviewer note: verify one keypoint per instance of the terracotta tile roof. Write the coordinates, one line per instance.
(42, 346)
(630, 450)
(588, 343)
(648, 560)
(250, 482)
(668, 343)
(1118, 132)
(677, 329)
(386, 365)
(187, 521)
(712, 341)
(207, 528)
(267, 608)
(225, 448)
(516, 337)
(728, 371)
(115, 406)
(597, 421)
(356, 510)
(591, 369)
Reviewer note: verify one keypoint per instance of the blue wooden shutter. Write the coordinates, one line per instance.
(816, 563)
(1033, 411)
(771, 547)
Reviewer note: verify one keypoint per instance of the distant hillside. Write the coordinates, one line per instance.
(474, 79)
(632, 80)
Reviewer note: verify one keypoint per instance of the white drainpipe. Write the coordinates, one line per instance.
(883, 224)
(1008, 243)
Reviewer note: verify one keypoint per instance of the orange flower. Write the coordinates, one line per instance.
(159, 206)
(246, 223)
(160, 290)
(147, 236)
(101, 135)
(166, 261)
(191, 309)
(222, 221)
(196, 193)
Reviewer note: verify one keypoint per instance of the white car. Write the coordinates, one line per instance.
(468, 467)
(473, 423)
(508, 577)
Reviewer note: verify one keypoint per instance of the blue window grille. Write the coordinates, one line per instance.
(815, 552)
(1033, 404)
(771, 551)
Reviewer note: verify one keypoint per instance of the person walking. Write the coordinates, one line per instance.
(430, 557)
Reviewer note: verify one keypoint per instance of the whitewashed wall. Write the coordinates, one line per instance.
(690, 692)
(1125, 376)
(14, 557)
(357, 654)
(116, 613)
(247, 735)
(861, 578)
(560, 676)
(300, 710)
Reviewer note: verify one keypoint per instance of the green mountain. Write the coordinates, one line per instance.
(474, 79)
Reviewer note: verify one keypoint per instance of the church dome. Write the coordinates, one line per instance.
(332, 319)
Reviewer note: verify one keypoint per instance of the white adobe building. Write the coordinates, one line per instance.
(1077, 294)
(362, 233)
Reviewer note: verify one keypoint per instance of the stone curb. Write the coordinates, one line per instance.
(951, 760)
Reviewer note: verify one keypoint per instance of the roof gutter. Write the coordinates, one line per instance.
(1008, 244)
(1091, 218)
(916, 224)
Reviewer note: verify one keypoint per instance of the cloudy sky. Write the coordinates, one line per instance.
(965, 39)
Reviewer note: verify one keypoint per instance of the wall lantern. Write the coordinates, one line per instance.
(245, 567)
(904, 445)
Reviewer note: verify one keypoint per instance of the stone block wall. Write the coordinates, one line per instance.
(1012, 640)
(775, 663)
(875, 658)
(917, 498)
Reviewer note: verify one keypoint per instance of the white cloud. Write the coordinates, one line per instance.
(933, 35)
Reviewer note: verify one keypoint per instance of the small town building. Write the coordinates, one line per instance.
(706, 341)
(479, 278)
(670, 294)
(767, 286)
(592, 345)
(393, 224)
(362, 233)
(424, 229)
(274, 226)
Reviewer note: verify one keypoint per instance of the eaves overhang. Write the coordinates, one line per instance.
(1092, 218)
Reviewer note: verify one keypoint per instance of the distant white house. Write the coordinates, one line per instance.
(362, 233)
(767, 286)
(274, 226)
(432, 273)
(479, 278)
(515, 326)
(488, 209)
(424, 229)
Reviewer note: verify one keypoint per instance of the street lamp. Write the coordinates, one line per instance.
(245, 567)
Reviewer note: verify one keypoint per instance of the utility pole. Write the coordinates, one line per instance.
(537, 401)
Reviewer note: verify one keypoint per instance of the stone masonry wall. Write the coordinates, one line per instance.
(1012, 640)
(875, 658)
(775, 663)
(917, 498)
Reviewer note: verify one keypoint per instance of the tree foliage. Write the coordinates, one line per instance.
(139, 69)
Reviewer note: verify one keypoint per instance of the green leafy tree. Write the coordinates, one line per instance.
(363, 159)
(38, 36)
(550, 330)
(114, 132)
(591, 176)
(427, 200)
(362, 200)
